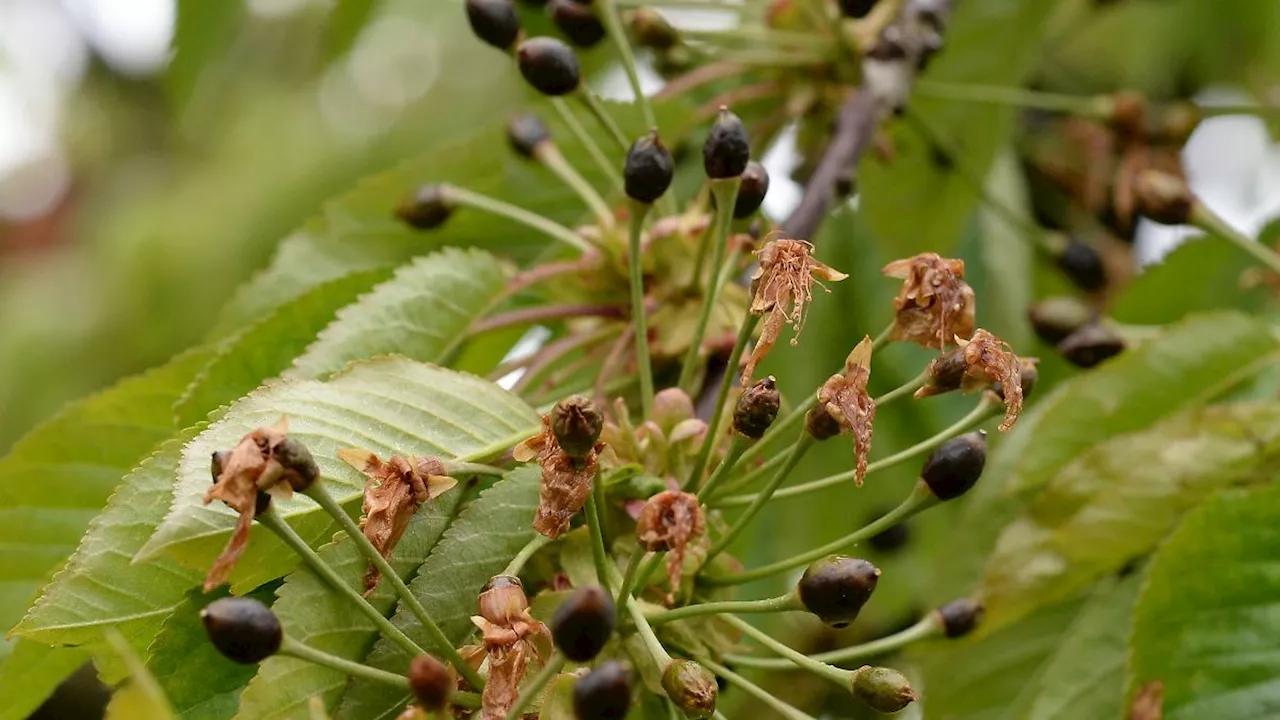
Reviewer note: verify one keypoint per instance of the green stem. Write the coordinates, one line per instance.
(798, 450)
(647, 570)
(531, 220)
(836, 675)
(919, 499)
(587, 142)
(535, 686)
(466, 468)
(782, 603)
(501, 446)
(745, 332)
(725, 193)
(285, 532)
(517, 563)
(737, 446)
(756, 691)
(651, 641)
(980, 412)
(594, 526)
(549, 155)
(629, 579)
(321, 496)
(903, 390)
(639, 316)
(293, 648)
(613, 24)
(1210, 222)
(927, 627)
(1094, 106)
(601, 114)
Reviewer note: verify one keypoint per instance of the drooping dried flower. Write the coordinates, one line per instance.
(1148, 704)
(668, 522)
(782, 287)
(265, 460)
(845, 398)
(512, 638)
(979, 363)
(394, 491)
(935, 304)
(566, 481)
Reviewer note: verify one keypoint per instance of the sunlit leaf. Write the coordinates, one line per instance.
(1201, 274)
(31, 673)
(141, 696)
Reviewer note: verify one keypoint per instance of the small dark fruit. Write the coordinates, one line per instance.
(603, 693)
(727, 150)
(648, 169)
(242, 629)
(691, 687)
(494, 22)
(526, 132)
(431, 683)
(583, 623)
(549, 65)
(650, 29)
(1054, 319)
(576, 423)
(892, 539)
(836, 587)
(1083, 265)
(755, 185)
(959, 617)
(757, 408)
(856, 8)
(883, 689)
(300, 469)
(427, 208)
(1089, 346)
(820, 424)
(577, 21)
(954, 468)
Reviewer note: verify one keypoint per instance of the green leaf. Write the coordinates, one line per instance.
(477, 546)
(31, 674)
(141, 696)
(1199, 275)
(1084, 678)
(346, 20)
(101, 590)
(265, 349)
(1116, 501)
(201, 32)
(313, 614)
(1205, 623)
(1005, 256)
(389, 405)
(423, 312)
(557, 703)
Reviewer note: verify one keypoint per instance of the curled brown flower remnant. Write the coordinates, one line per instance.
(566, 481)
(845, 398)
(512, 637)
(394, 491)
(264, 460)
(935, 303)
(781, 288)
(980, 362)
(668, 522)
(1148, 704)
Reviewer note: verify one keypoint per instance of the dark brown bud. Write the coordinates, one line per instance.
(261, 503)
(727, 150)
(431, 683)
(856, 8)
(577, 21)
(757, 408)
(1055, 318)
(836, 587)
(603, 693)
(944, 374)
(1164, 198)
(1091, 345)
(692, 687)
(583, 623)
(1083, 265)
(494, 22)
(427, 208)
(650, 29)
(755, 185)
(648, 169)
(959, 617)
(549, 65)
(1129, 114)
(526, 132)
(954, 468)
(300, 469)
(576, 422)
(891, 539)
(883, 689)
(1028, 372)
(502, 599)
(242, 629)
(820, 424)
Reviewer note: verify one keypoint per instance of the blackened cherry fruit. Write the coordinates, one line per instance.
(755, 185)
(427, 208)
(526, 132)
(242, 629)
(583, 623)
(648, 169)
(1083, 265)
(1091, 345)
(856, 8)
(954, 468)
(836, 587)
(727, 150)
(300, 469)
(691, 687)
(494, 21)
(577, 21)
(431, 683)
(959, 617)
(549, 65)
(757, 408)
(603, 693)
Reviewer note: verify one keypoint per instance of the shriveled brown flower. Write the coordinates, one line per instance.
(781, 288)
(264, 460)
(512, 638)
(668, 522)
(845, 398)
(935, 304)
(1148, 704)
(393, 492)
(566, 481)
(979, 363)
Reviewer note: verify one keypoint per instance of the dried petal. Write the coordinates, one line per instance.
(510, 634)
(989, 361)
(566, 481)
(781, 288)
(846, 399)
(935, 304)
(393, 492)
(507, 667)
(668, 523)
(1148, 704)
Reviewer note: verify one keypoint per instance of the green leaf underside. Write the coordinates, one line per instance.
(101, 589)
(265, 349)
(1198, 275)
(1118, 500)
(389, 405)
(422, 312)
(141, 696)
(31, 674)
(477, 546)
(313, 614)
(1205, 621)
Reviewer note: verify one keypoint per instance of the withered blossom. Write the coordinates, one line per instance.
(668, 522)
(845, 398)
(980, 362)
(393, 492)
(781, 289)
(935, 304)
(265, 460)
(512, 638)
(566, 481)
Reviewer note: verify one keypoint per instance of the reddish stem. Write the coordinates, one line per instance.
(546, 312)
